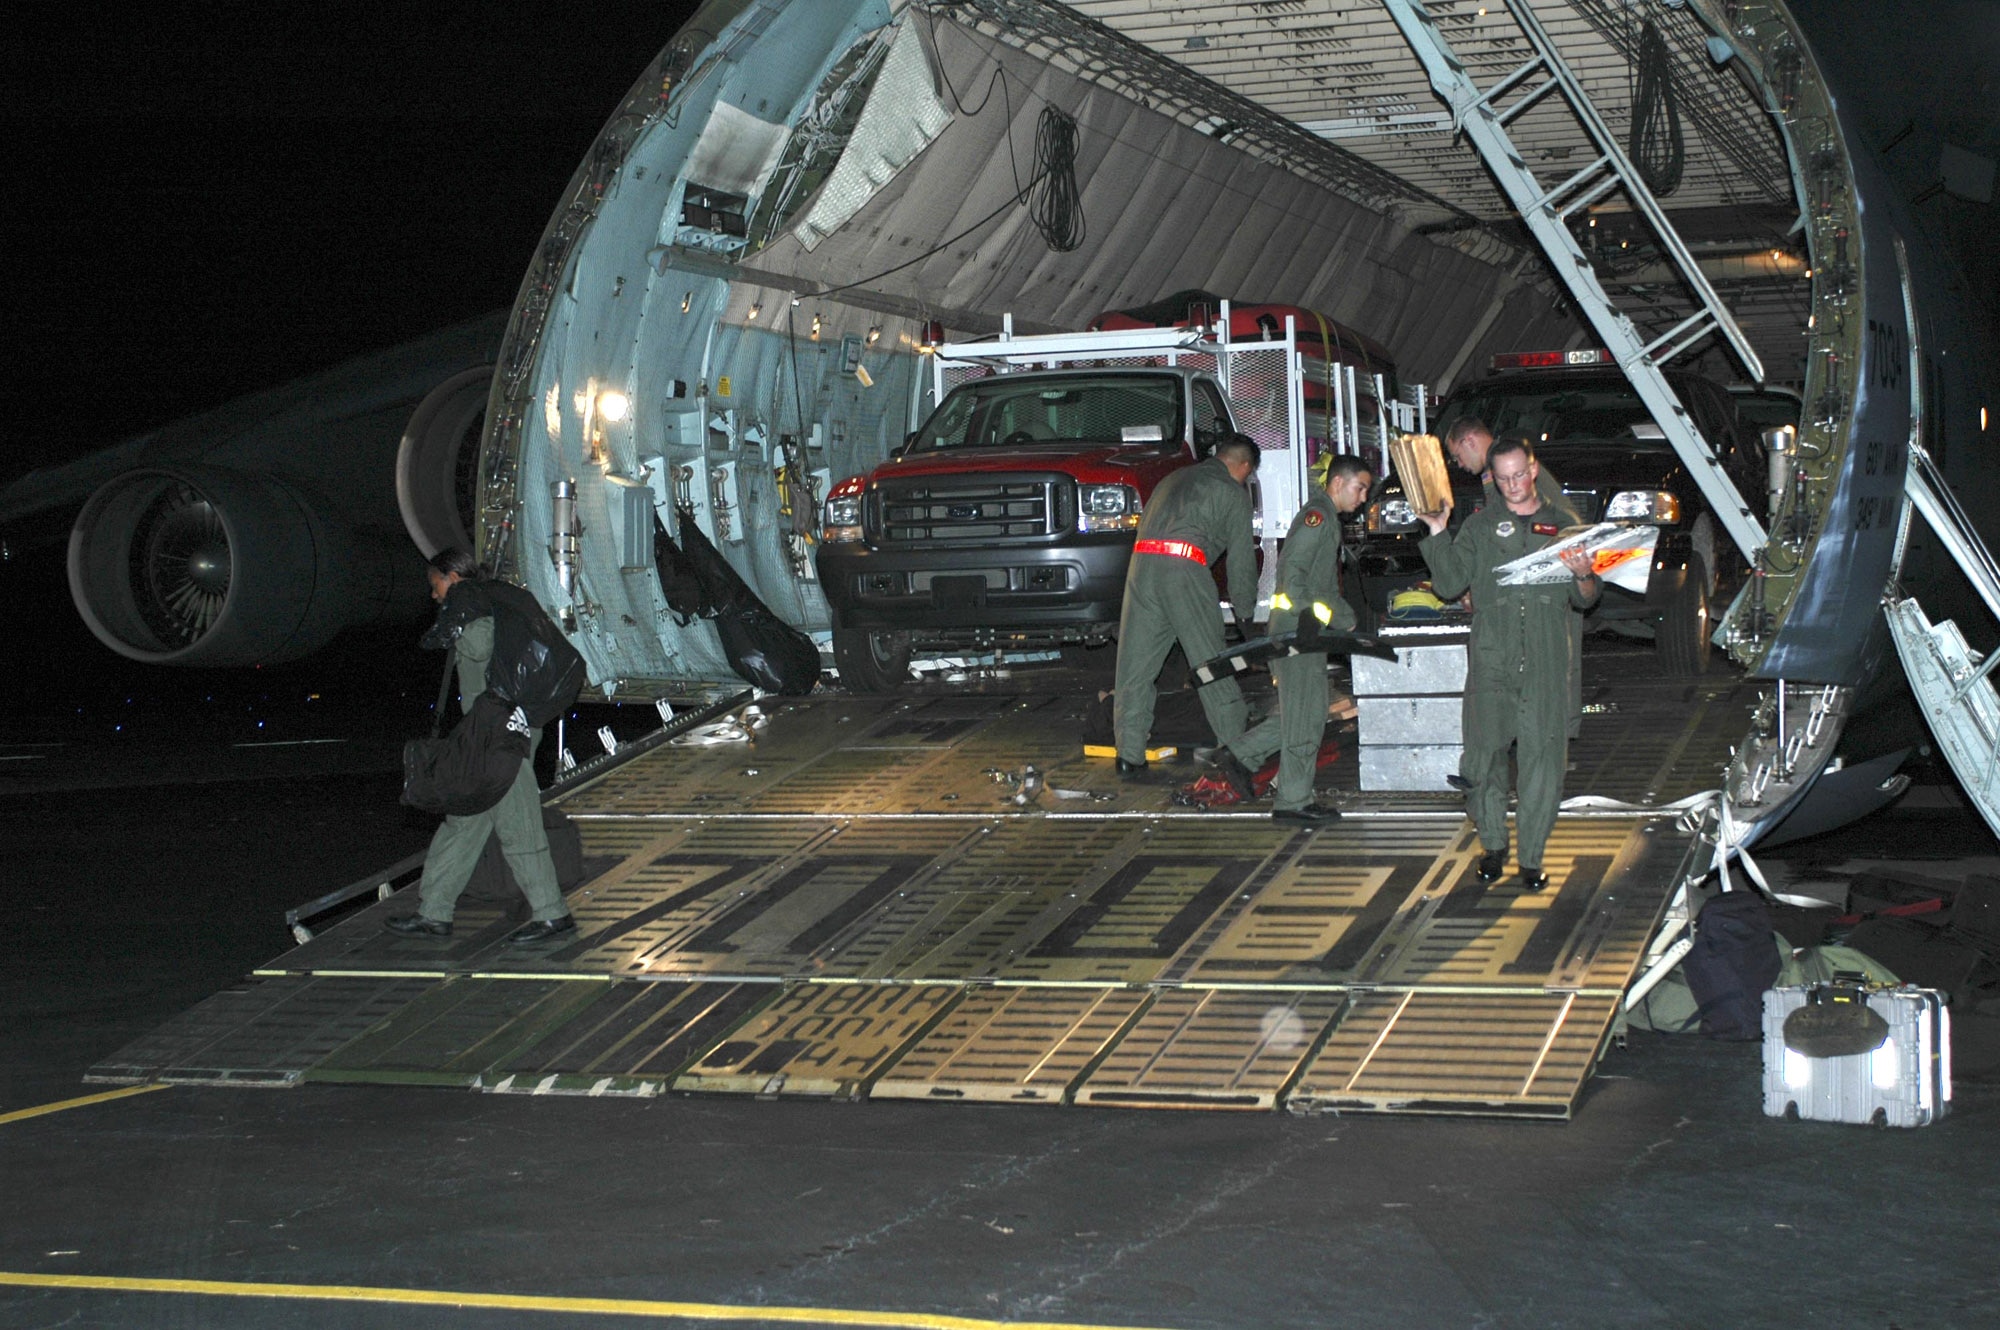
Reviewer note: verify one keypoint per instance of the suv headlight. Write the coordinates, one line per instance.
(1392, 514)
(1659, 507)
(1107, 508)
(843, 520)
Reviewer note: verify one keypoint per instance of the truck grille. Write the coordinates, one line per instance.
(971, 509)
(1589, 503)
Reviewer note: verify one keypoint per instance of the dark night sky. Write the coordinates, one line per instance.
(211, 199)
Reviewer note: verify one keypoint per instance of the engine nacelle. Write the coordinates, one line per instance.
(437, 465)
(204, 566)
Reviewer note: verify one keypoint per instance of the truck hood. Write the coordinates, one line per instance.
(1612, 465)
(1088, 462)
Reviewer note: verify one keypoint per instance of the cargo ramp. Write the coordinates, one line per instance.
(863, 898)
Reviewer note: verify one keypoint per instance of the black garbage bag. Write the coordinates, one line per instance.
(680, 579)
(471, 769)
(766, 650)
(533, 667)
(1731, 964)
(762, 648)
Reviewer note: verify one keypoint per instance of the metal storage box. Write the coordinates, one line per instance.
(1432, 663)
(1904, 1080)
(1408, 766)
(1408, 711)
(1411, 720)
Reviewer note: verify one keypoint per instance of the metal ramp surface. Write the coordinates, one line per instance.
(852, 905)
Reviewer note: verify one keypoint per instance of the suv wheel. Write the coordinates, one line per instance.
(871, 662)
(1681, 639)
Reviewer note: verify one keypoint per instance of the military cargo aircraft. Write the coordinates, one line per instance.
(732, 303)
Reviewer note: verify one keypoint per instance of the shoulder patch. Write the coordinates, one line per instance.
(1313, 518)
(1503, 528)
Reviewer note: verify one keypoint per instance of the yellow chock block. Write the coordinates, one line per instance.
(1107, 750)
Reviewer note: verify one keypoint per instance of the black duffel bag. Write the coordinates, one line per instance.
(471, 769)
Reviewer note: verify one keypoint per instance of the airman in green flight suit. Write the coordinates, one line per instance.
(1307, 598)
(1467, 441)
(1194, 517)
(516, 819)
(1522, 657)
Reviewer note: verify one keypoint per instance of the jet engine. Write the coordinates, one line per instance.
(437, 465)
(205, 566)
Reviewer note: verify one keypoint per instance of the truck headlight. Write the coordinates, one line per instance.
(1658, 507)
(843, 520)
(1107, 508)
(1392, 515)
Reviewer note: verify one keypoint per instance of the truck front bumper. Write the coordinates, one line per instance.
(1075, 589)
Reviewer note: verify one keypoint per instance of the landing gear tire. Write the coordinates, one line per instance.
(1682, 636)
(871, 662)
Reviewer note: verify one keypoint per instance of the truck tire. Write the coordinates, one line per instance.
(1681, 639)
(871, 662)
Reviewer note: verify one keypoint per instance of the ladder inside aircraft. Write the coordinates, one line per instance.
(1546, 211)
(1952, 683)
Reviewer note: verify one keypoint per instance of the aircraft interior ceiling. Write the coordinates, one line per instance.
(1342, 76)
(785, 181)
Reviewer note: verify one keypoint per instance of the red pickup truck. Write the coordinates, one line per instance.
(1006, 518)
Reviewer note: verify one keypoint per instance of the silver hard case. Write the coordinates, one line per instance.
(1904, 1083)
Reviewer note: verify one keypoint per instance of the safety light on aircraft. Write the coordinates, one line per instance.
(756, 309)
(815, 331)
(687, 299)
(613, 405)
(874, 335)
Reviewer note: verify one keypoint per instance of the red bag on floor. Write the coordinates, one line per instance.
(1212, 791)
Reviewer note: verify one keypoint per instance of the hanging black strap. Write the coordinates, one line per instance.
(444, 691)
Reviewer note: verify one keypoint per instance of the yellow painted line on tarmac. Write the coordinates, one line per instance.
(417, 1297)
(21, 1114)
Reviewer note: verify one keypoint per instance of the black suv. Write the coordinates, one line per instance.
(1590, 429)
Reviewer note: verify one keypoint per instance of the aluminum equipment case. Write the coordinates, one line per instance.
(1898, 1074)
(1409, 728)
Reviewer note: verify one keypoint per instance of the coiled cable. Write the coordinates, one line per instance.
(1055, 205)
(1656, 145)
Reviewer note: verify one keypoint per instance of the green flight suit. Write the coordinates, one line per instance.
(516, 819)
(1308, 574)
(1549, 490)
(1170, 599)
(1520, 671)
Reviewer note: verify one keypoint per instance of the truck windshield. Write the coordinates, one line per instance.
(1551, 415)
(1015, 411)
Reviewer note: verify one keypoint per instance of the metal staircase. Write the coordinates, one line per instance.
(1546, 210)
(1953, 684)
